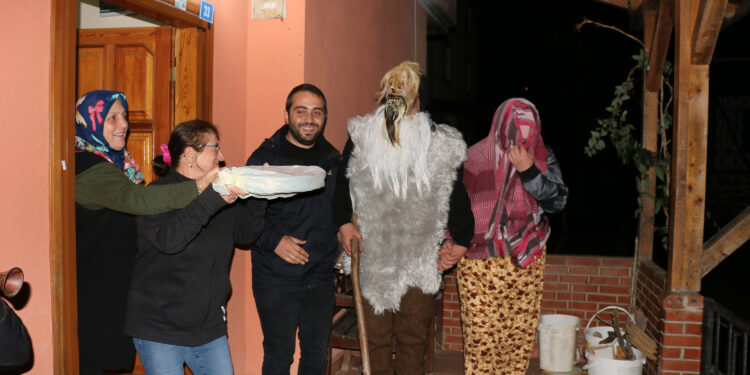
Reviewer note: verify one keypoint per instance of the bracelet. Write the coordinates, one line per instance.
(198, 185)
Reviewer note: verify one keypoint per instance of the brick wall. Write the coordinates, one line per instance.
(573, 285)
(650, 286)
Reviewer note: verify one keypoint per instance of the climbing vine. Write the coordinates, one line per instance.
(616, 130)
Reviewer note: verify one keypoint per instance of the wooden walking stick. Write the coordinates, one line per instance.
(358, 307)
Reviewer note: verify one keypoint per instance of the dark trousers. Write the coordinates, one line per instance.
(409, 326)
(281, 313)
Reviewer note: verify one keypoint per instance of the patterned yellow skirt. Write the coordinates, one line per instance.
(499, 312)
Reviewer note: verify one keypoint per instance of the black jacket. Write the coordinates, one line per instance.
(306, 216)
(15, 346)
(180, 283)
(105, 253)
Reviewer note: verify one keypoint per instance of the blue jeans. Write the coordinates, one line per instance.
(165, 359)
(281, 313)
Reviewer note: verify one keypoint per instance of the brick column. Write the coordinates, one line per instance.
(681, 328)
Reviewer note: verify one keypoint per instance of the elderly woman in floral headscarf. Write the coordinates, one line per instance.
(109, 191)
(512, 180)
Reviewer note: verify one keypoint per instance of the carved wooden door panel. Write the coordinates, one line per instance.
(136, 61)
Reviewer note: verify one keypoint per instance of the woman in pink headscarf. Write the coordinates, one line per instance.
(512, 180)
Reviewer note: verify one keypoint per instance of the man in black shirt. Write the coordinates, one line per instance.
(293, 258)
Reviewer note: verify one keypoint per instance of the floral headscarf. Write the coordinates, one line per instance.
(91, 110)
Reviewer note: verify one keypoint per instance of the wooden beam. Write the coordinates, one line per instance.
(163, 12)
(62, 244)
(192, 6)
(726, 241)
(659, 46)
(706, 31)
(625, 4)
(689, 144)
(649, 139)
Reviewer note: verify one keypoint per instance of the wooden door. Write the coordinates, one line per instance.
(138, 62)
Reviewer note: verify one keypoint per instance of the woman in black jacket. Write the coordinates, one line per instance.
(177, 302)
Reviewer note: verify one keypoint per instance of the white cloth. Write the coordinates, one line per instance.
(270, 182)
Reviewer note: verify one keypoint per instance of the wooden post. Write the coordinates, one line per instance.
(689, 144)
(649, 136)
(62, 188)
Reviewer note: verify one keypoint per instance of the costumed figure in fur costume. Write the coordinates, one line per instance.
(512, 180)
(401, 175)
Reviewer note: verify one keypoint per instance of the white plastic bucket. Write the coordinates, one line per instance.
(557, 342)
(600, 362)
(590, 334)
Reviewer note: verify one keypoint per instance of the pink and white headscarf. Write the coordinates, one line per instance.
(507, 218)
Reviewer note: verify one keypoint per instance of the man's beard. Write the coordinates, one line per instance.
(297, 134)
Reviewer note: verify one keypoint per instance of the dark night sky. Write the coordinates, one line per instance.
(524, 50)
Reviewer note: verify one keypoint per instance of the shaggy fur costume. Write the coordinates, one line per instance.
(401, 197)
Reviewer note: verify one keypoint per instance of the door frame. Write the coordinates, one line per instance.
(63, 30)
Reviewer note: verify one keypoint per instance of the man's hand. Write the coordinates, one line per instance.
(290, 251)
(449, 255)
(346, 233)
(520, 158)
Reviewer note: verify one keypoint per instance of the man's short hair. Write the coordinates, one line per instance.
(309, 87)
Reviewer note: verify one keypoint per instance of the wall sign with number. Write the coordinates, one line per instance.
(207, 11)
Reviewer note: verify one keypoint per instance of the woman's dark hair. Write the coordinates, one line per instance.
(187, 134)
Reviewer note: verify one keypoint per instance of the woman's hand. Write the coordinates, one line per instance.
(234, 191)
(207, 179)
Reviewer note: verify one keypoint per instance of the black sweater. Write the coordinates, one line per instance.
(460, 217)
(181, 278)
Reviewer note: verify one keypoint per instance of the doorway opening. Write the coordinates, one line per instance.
(161, 57)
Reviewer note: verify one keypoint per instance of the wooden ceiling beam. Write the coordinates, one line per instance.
(657, 53)
(726, 241)
(706, 31)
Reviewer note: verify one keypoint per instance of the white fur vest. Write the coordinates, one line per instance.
(401, 197)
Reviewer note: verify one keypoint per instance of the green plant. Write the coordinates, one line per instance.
(616, 130)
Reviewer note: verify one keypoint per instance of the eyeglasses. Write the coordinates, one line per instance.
(215, 147)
